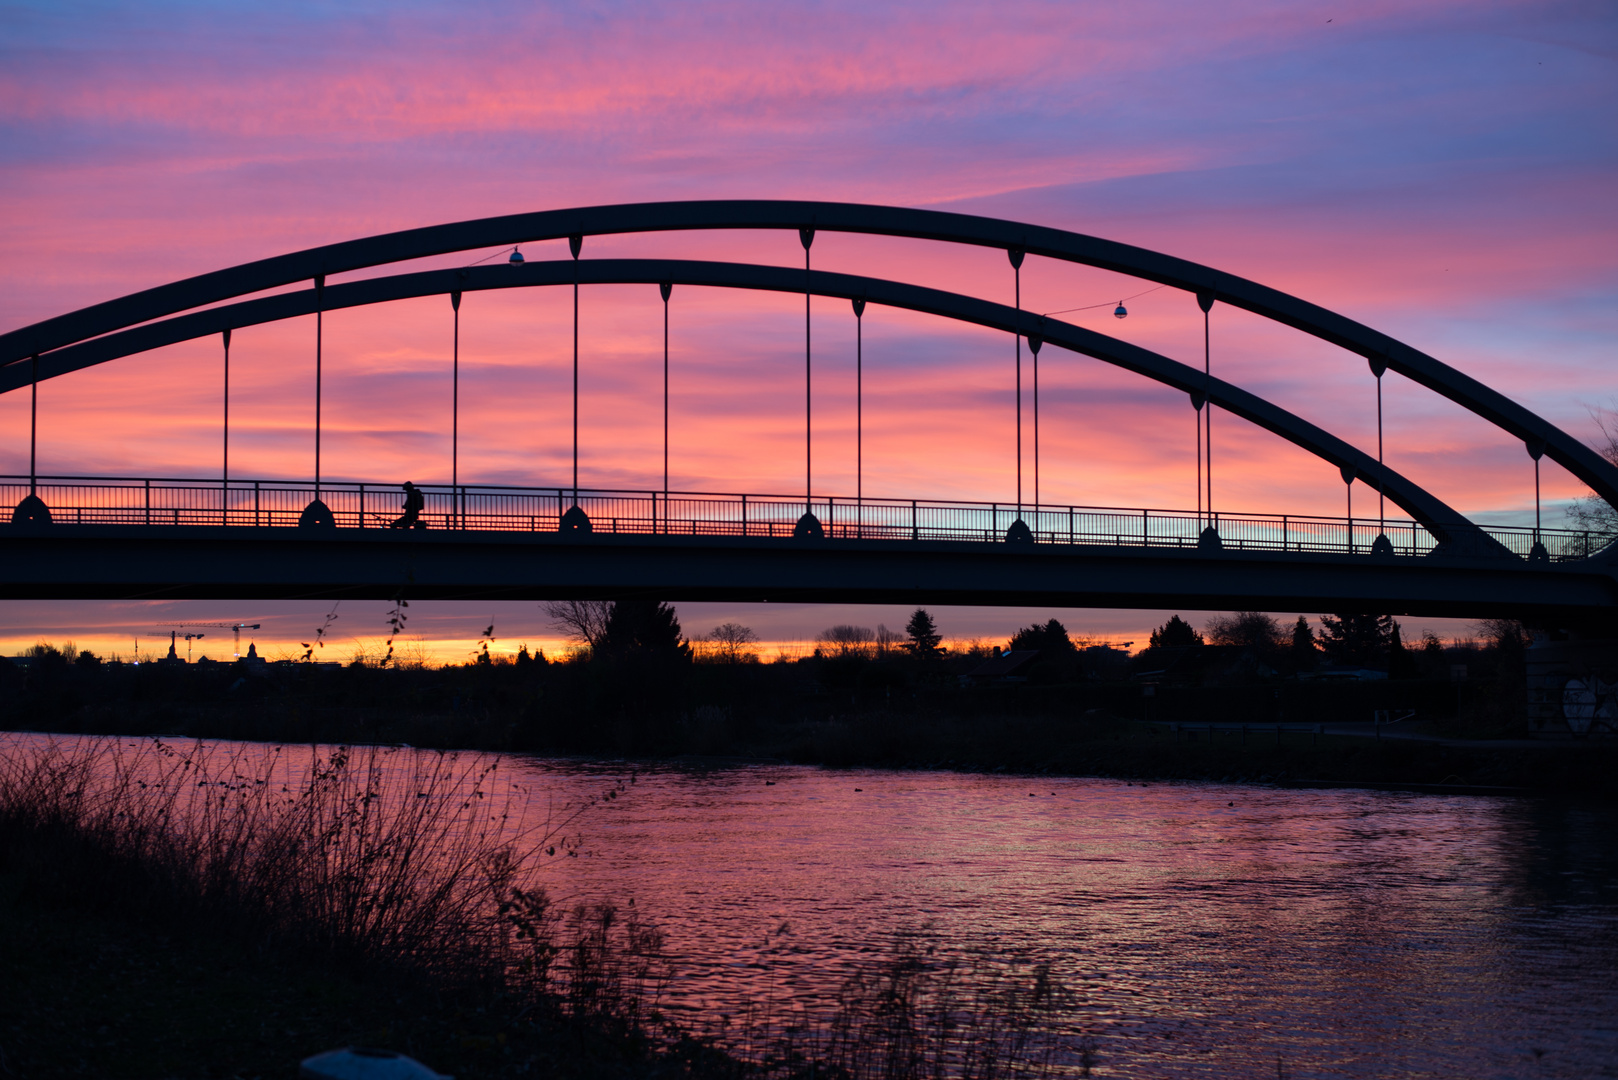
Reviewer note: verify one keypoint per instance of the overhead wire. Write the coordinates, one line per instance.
(1109, 303)
(496, 255)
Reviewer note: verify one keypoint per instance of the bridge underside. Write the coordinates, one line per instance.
(190, 562)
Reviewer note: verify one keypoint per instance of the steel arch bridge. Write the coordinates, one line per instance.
(219, 537)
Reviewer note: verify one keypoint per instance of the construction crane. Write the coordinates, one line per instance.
(235, 628)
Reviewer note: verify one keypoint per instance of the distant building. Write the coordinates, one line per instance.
(1010, 666)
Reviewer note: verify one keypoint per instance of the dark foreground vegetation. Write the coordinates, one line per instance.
(862, 699)
(200, 913)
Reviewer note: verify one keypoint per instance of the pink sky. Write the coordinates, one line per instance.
(1443, 172)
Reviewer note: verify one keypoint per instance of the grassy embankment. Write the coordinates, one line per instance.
(200, 914)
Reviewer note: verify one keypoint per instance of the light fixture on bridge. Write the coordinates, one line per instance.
(1120, 311)
(516, 257)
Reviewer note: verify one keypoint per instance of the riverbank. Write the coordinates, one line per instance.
(876, 714)
(1105, 746)
(88, 993)
(227, 910)
(1097, 745)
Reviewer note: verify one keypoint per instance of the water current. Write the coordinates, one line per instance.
(1207, 930)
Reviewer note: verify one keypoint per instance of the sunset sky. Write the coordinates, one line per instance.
(1443, 172)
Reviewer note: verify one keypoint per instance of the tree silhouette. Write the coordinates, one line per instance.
(1356, 639)
(643, 628)
(732, 642)
(1251, 629)
(583, 621)
(1592, 511)
(1175, 634)
(1304, 650)
(1049, 638)
(1401, 661)
(848, 640)
(923, 632)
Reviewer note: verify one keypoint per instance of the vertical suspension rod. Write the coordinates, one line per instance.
(574, 243)
(807, 237)
(320, 300)
(1381, 483)
(455, 413)
(1198, 403)
(33, 429)
(666, 288)
(1205, 301)
(224, 511)
(1016, 257)
(1348, 505)
(859, 416)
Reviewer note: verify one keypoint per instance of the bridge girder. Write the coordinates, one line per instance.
(1443, 521)
(197, 562)
(42, 337)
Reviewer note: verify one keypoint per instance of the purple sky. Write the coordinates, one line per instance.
(1441, 171)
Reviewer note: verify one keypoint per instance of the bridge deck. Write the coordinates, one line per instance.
(239, 562)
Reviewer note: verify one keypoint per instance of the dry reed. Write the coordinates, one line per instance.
(419, 863)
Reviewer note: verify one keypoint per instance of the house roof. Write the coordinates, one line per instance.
(1002, 665)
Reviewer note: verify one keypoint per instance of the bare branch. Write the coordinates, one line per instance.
(584, 622)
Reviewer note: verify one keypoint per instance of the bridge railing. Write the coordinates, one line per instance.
(280, 504)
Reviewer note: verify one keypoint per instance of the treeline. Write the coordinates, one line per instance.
(635, 684)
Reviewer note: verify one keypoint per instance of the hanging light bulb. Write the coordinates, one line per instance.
(516, 257)
(1121, 311)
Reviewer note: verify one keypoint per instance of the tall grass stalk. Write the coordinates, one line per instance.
(915, 1015)
(423, 864)
(376, 858)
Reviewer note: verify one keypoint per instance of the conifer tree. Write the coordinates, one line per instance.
(1175, 634)
(923, 632)
(644, 627)
(1356, 638)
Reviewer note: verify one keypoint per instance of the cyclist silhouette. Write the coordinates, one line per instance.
(414, 502)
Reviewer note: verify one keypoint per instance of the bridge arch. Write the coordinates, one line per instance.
(1443, 521)
(51, 334)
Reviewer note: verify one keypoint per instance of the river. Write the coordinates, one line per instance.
(1199, 930)
(1205, 929)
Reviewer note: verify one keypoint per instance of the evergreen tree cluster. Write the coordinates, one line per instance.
(1048, 639)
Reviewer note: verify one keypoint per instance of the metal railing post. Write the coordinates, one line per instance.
(362, 506)
(1145, 529)
(914, 533)
(148, 502)
(744, 515)
(1283, 532)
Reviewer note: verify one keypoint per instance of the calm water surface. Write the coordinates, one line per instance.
(1207, 929)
